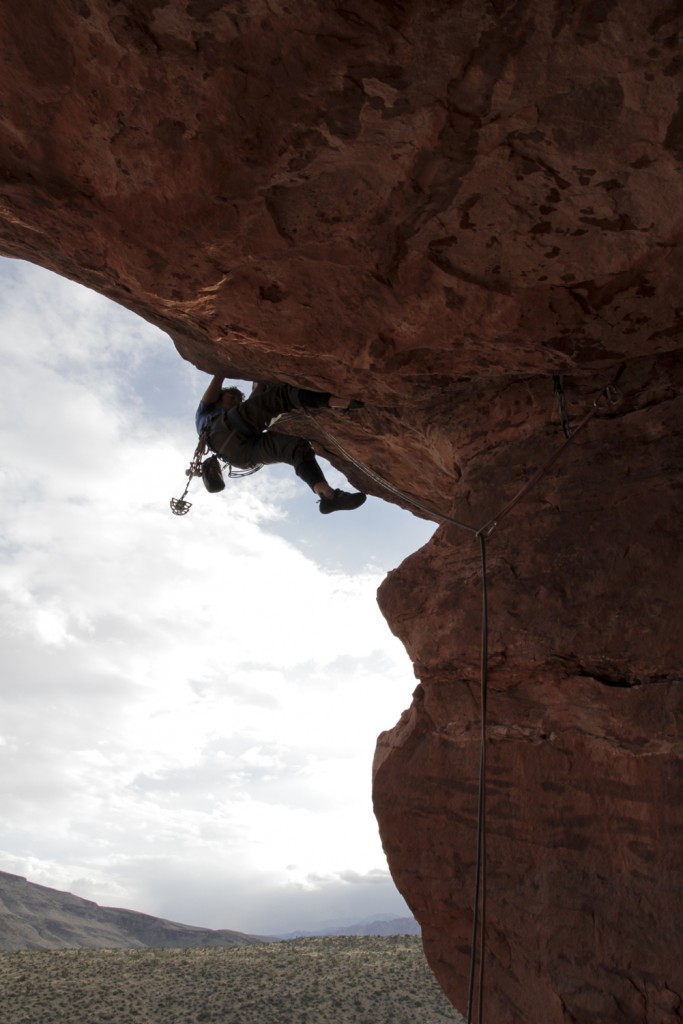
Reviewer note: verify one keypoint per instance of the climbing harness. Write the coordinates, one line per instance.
(608, 397)
(210, 471)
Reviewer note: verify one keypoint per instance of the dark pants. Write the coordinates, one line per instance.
(241, 437)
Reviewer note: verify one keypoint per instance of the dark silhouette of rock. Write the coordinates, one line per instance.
(439, 207)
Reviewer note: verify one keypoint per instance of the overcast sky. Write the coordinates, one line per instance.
(188, 705)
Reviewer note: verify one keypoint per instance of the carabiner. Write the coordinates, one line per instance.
(611, 394)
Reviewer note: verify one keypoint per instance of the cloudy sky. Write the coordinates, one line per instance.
(188, 705)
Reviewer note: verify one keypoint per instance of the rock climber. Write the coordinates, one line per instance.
(237, 431)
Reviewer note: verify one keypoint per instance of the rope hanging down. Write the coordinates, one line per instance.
(609, 396)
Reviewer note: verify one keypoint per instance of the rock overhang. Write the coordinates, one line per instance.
(445, 206)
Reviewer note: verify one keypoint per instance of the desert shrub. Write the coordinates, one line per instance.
(344, 980)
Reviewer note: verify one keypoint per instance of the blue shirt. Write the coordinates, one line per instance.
(206, 413)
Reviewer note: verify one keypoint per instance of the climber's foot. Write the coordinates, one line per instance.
(340, 501)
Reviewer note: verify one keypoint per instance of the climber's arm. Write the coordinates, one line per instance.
(213, 392)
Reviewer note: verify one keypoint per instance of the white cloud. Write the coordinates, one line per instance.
(189, 704)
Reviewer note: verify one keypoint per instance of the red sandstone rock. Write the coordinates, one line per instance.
(440, 205)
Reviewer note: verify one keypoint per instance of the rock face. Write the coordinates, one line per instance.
(443, 205)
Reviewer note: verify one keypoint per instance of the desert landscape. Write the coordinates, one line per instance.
(338, 980)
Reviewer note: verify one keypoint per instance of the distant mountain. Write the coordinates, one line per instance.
(35, 917)
(380, 926)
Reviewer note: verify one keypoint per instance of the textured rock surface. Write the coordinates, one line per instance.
(440, 204)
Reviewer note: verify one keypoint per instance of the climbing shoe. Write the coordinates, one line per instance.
(354, 404)
(340, 501)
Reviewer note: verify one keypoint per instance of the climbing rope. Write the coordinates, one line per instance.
(558, 391)
(479, 903)
(608, 396)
